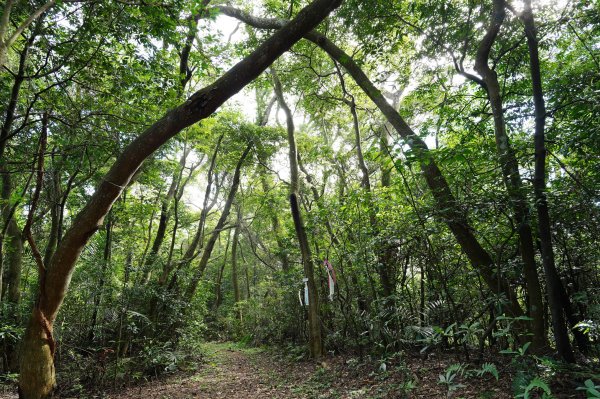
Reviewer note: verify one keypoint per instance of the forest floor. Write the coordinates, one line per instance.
(229, 371)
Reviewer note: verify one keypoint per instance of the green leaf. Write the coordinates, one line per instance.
(524, 348)
(534, 384)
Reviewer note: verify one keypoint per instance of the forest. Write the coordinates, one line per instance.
(300, 199)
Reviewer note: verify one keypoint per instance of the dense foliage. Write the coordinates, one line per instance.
(201, 243)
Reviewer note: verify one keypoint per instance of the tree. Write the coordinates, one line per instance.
(37, 377)
(556, 293)
(412, 173)
(314, 320)
(453, 216)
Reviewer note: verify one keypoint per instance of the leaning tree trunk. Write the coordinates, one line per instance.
(37, 376)
(314, 322)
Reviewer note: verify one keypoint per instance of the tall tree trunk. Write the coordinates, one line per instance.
(557, 296)
(218, 293)
(9, 230)
(512, 177)
(179, 190)
(54, 195)
(165, 214)
(185, 74)
(383, 251)
(262, 120)
(234, 260)
(275, 225)
(169, 265)
(100, 287)
(14, 258)
(314, 322)
(37, 376)
(11, 238)
(206, 207)
(219, 227)
(39, 332)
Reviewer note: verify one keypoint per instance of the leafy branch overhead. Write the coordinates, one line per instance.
(405, 191)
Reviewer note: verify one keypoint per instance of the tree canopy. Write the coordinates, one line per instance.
(181, 171)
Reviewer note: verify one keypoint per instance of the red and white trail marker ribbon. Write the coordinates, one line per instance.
(331, 279)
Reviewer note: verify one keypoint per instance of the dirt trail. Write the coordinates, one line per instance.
(231, 372)
(228, 371)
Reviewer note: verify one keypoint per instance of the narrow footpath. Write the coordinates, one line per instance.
(230, 372)
(235, 373)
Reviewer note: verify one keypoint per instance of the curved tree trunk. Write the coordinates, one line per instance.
(37, 370)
